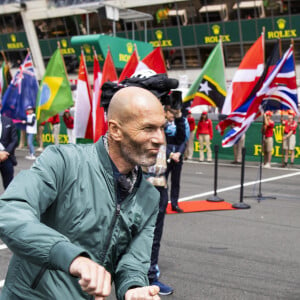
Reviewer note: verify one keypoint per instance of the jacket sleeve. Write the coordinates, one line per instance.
(180, 131)
(133, 267)
(13, 138)
(21, 209)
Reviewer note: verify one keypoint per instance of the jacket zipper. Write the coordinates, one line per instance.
(38, 277)
(109, 236)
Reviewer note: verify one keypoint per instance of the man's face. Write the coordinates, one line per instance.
(169, 116)
(290, 118)
(142, 138)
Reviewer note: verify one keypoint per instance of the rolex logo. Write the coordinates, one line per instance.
(129, 47)
(87, 48)
(13, 38)
(64, 43)
(278, 133)
(159, 34)
(281, 23)
(216, 29)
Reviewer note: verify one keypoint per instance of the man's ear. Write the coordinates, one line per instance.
(114, 130)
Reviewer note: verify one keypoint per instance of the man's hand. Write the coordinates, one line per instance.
(4, 155)
(143, 293)
(176, 156)
(94, 279)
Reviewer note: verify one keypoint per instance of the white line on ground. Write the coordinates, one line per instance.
(1, 283)
(3, 246)
(238, 186)
(224, 164)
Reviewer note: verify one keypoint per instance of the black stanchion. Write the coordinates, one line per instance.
(241, 204)
(260, 196)
(215, 197)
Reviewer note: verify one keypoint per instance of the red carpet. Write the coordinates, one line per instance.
(200, 205)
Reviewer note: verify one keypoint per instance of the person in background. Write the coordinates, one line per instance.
(237, 149)
(87, 214)
(31, 131)
(69, 122)
(175, 154)
(8, 144)
(156, 175)
(55, 121)
(39, 137)
(22, 139)
(267, 130)
(289, 137)
(204, 134)
(188, 154)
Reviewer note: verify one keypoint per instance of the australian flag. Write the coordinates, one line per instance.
(279, 85)
(21, 92)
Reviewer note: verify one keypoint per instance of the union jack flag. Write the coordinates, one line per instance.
(280, 85)
(25, 68)
(21, 92)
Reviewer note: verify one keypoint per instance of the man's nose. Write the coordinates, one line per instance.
(159, 137)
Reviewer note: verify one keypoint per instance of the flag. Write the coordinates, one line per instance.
(5, 78)
(210, 86)
(234, 117)
(154, 61)
(246, 77)
(109, 74)
(21, 92)
(96, 90)
(280, 84)
(83, 119)
(130, 67)
(54, 93)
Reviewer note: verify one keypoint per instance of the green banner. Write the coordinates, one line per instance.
(13, 41)
(121, 49)
(284, 27)
(252, 144)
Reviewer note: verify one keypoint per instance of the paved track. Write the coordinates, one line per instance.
(243, 254)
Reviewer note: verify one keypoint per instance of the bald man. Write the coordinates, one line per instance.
(83, 216)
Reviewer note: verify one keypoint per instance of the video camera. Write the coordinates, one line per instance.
(159, 84)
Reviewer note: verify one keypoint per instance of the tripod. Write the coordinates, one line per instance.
(260, 196)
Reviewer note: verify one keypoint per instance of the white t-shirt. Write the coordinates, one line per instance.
(31, 128)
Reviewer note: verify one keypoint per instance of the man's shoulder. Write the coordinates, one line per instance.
(5, 119)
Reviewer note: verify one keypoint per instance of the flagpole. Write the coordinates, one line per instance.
(162, 55)
(4, 56)
(264, 44)
(6, 61)
(137, 53)
(88, 83)
(62, 57)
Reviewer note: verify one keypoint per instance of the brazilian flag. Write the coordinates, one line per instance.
(210, 86)
(54, 93)
(5, 78)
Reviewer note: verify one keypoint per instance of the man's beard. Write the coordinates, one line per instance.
(133, 153)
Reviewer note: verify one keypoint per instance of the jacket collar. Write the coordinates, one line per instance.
(107, 163)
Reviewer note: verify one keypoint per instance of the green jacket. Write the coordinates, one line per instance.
(64, 206)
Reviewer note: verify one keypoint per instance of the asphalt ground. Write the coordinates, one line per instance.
(242, 254)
